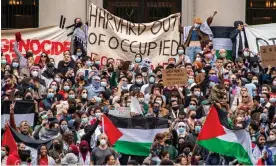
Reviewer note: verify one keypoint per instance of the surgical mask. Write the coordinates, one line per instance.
(3, 62)
(180, 52)
(196, 25)
(190, 81)
(3, 153)
(84, 96)
(254, 81)
(50, 95)
(152, 80)
(192, 107)
(98, 114)
(272, 137)
(103, 142)
(246, 53)
(156, 110)
(64, 127)
(34, 73)
(223, 55)
(97, 62)
(79, 53)
(262, 100)
(103, 84)
(71, 96)
(212, 84)
(144, 74)
(66, 88)
(197, 93)
(139, 81)
(197, 129)
(274, 82)
(138, 60)
(57, 79)
(15, 64)
(181, 130)
(84, 120)
(54, 87)
(88, 63)
(272, 100)
(198, 59)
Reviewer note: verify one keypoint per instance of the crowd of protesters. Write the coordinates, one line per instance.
(71, 95)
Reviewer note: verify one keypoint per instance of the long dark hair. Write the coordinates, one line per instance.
(39, 153)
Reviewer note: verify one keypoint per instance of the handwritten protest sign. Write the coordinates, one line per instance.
(172, 77)
(123, 112)
(111, 36)
(268, 55)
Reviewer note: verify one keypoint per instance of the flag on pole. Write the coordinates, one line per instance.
(216, 136)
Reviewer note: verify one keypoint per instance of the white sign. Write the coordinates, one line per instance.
(51, 40)
(260, 35)
(111, 36)
(123, 112)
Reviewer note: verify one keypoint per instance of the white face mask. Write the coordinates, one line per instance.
(198, 59)
(274, 82)
(272, 137)
(103, 142)
(34, 73)
(84, 96)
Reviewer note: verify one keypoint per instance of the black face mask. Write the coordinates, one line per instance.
(57, 146)
(193, 116)
(78, 107)
(255, 65)
(81, 78)
(175, 108)
(211, 47)
(159, 76)
(186, 151)
(79, 24)
(72, 109)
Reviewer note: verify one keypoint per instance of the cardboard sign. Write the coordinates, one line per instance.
(172, 77)
(123, 112)
(268, 55)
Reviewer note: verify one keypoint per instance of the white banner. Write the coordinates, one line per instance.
(111, 36)
(260, 35)
(51, 40)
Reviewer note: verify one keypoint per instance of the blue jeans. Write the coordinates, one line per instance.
(191, 52)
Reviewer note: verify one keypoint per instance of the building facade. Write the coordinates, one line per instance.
(41, 13)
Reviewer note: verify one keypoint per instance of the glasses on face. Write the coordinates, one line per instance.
(245, 97)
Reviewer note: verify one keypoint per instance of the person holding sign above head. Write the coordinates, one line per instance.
(194, 35)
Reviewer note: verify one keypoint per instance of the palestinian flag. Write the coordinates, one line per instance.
(11, 137)
(134, 135)
(221, 39)
(24, 110)
(216, 136)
